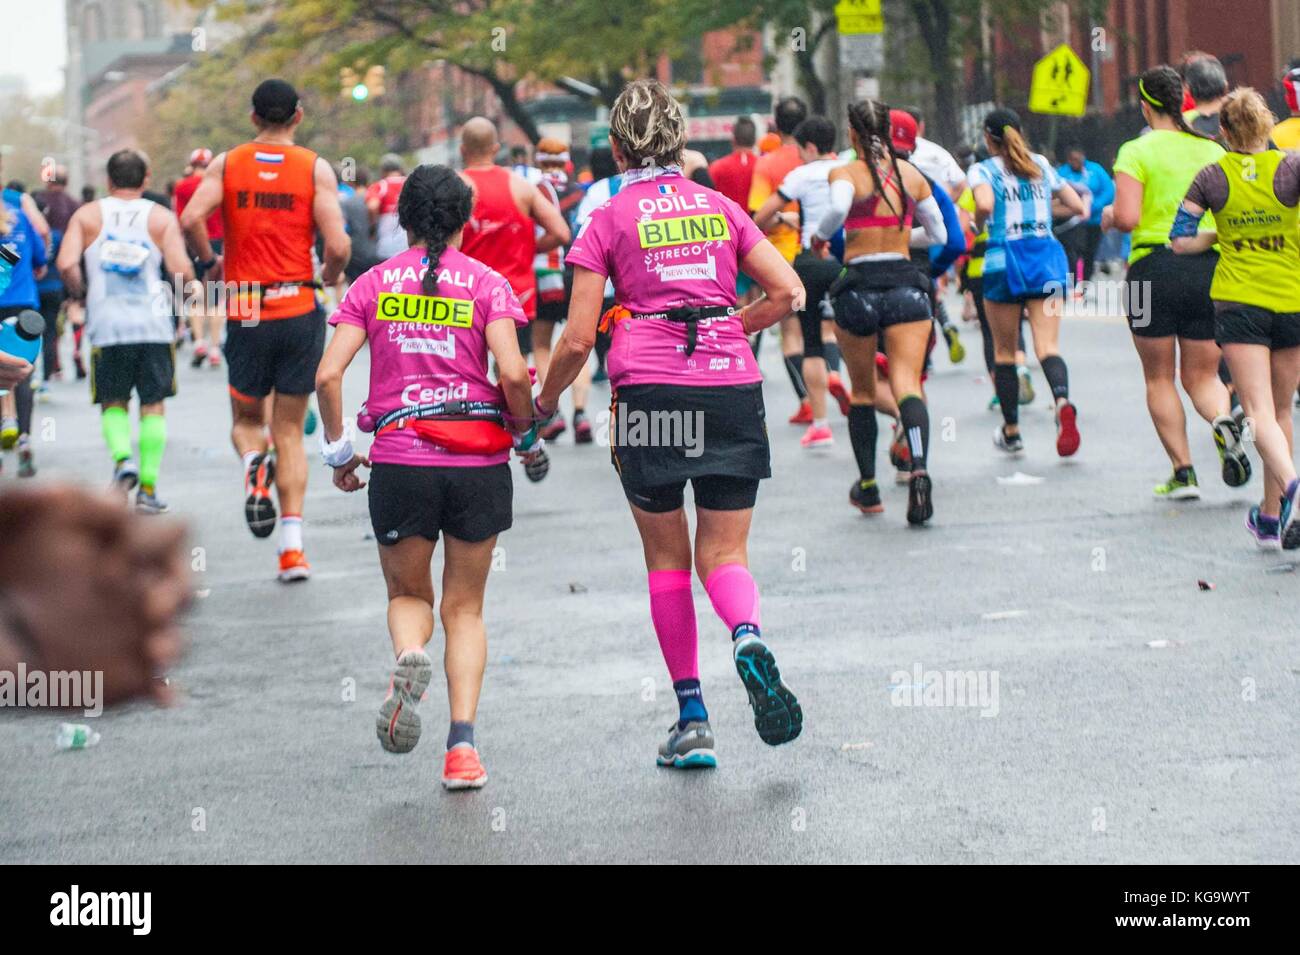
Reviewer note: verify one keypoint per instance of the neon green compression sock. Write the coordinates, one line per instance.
(116, 426)
(153, 438)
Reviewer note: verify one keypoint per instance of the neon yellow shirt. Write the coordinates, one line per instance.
(1259, 260)
(1165, 162)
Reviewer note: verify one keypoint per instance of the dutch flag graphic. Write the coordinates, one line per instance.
(273, 158)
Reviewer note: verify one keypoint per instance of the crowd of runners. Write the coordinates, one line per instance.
(486, 294)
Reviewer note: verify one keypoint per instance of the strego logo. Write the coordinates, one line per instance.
(61, 689)
(74, 908)
(417, 394)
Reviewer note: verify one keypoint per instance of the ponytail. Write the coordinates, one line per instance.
(1161, 88)
(1016, 154)
(869, 120)
(434, 205)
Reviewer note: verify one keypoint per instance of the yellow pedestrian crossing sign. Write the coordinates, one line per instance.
(1060, 84)
(859, 17)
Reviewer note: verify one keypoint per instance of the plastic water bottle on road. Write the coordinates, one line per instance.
(76, 736)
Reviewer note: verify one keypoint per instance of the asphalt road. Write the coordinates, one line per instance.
(1092, 746)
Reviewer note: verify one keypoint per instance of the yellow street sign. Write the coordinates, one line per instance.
(858, 17)
(1060, 84)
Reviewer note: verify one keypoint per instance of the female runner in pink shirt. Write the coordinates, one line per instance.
(687, 398)
(443, 433)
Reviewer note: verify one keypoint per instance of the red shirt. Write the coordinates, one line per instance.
(500, 236)
(732, 175)
(181, 197)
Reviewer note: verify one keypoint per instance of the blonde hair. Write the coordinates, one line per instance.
(1015, 151)
(1245, 119)
(648, 125)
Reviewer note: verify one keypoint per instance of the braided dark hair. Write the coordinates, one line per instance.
(1161, 88)
(869, 120)
(435, 203)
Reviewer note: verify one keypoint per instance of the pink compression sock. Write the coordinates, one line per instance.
(734, 595)
(673, 612)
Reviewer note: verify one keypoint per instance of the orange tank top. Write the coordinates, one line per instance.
(267, 195)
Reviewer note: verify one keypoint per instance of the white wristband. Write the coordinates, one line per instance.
(335, 453)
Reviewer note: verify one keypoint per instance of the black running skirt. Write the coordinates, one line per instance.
(663, 434)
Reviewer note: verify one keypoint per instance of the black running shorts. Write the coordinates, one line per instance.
(662, 436)
(871, 296)
(1168, 294)
(468, 503)
(279, 354)
(1239, 324)
(148, 368)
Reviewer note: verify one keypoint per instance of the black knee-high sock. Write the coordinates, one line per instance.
(915, 419)
(986, 333)
(862, 434)
(1007, 386)
(792, 368)
(1057, 375)
(831, 352)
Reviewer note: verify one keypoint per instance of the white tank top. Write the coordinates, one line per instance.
(127, 300)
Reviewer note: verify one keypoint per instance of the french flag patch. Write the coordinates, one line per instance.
(273, 158)
(667, 190)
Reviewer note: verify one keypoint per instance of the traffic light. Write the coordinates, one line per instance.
(347, 82)
(352, 85)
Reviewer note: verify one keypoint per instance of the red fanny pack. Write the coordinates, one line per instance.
(463, 437)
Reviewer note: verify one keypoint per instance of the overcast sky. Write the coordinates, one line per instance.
(32, 43)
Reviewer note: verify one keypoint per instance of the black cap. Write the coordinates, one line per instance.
(998, 120)
(30, 324)
(275, 101)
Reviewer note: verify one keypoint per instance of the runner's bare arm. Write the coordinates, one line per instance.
(69, 259)
(784, 293)
(343, 347)
(35, 217)
(767, 213)
(1127, 207)
(983, 194)
(547, 215)
(1072, 201)
(205, 201)
(166, 233)
(512, 369)
(578, 338)
(329, 223)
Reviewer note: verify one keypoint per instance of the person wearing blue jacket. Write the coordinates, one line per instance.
(1081, 241)
(18, 233)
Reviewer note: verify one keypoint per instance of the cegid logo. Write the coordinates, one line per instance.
(74, 908)
(425, 310)
(416, 394)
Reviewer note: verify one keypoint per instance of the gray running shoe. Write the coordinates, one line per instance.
(777, 714)
(398, 725)
(125, 476)
(690, 747)
(1232, 453)
(148, 502)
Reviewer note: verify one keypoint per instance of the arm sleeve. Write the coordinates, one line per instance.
(1286, 182)
(930, 216)
(838, 211)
